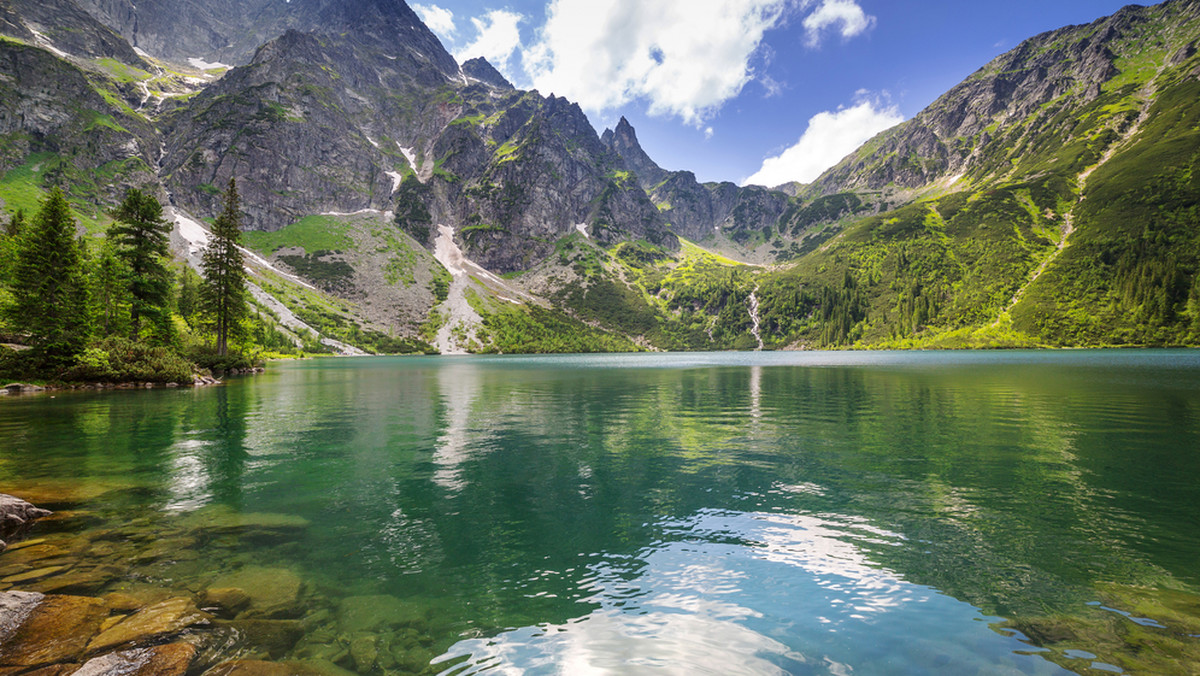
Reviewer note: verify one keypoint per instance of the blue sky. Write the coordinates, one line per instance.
(765, 90)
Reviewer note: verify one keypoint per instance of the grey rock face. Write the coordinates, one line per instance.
(48, 104)
(231, 31)
(16, 516)
(479, 69)
(697, 210)
(527, 175)
(322, 123)
(73, 30)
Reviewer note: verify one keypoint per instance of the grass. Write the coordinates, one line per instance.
(311, 233)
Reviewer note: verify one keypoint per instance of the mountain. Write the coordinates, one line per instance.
(392, 193)
(696, 210)
(1051, 195)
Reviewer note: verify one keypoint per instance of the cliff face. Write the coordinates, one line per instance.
(333, 122)
(313, 124)
(63, 118)
(231, 31)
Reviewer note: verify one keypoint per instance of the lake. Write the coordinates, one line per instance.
(734, 513)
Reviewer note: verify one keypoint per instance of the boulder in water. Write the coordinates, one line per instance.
(16, 516)
(164, 660)
(166, 617)
(37, 629)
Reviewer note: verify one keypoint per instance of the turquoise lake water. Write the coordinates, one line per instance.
(756, 513)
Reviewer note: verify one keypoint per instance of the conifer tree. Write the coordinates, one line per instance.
(139, 239)
(110, 291)
(50, 294)
(223, 293)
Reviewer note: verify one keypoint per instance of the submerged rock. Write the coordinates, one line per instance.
(166, 617)
(261, 668)
(64, 492)
(78, 581)
(274, 637)
(32, 575)
(224, 520)
(369, 613)
(48, 629)
(227, 599)
(164, 660)
(273, 592)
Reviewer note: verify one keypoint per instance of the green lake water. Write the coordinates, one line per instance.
(758, 513)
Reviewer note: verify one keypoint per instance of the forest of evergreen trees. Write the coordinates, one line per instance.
(79, 309)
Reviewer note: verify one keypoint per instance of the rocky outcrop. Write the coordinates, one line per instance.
(230, 31)
(624, 142)
(69, 28)
(16, 516)
(48, 104)
(696, 210)
(479, 69)
(311, 125)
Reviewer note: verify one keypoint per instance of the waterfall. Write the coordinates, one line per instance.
(754, 317)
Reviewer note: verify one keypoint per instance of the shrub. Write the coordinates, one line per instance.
(120, 360)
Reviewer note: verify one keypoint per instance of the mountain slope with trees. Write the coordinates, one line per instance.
(1049, 199)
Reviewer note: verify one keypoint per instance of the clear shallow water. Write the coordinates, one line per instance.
(807, 513)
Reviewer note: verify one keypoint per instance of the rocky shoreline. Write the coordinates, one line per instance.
(177, 596)
(198, 381)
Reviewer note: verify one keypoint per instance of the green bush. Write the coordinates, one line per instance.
(120, 360)
(206, 357)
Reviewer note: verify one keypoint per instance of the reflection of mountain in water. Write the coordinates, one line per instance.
(760, 500)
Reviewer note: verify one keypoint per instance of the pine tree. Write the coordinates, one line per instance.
(50, 293)
(110, 292)
(223, 294)
(140, 238)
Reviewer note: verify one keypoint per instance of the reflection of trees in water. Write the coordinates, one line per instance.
(482, 482)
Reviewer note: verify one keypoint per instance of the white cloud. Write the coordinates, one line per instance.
(708, 134)
(684, 57)
(498, 37)
(832, 13)
(830, 136)
(439, 19)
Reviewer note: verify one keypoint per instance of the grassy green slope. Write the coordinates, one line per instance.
(1130, 274)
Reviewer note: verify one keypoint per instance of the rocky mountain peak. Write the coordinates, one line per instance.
(480, 69)
(624, 142)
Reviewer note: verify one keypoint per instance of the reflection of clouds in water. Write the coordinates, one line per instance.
(608, 642)
(740, 593)
(412, 544)
(756, 392)
(190, 481)
(459, 386)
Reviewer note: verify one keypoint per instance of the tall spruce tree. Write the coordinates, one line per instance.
(50, 294)
(223, 293)
(139, 239)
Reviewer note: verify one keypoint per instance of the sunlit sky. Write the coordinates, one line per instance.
(726, 88)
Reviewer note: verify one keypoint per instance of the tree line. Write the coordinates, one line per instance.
(117, 307)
